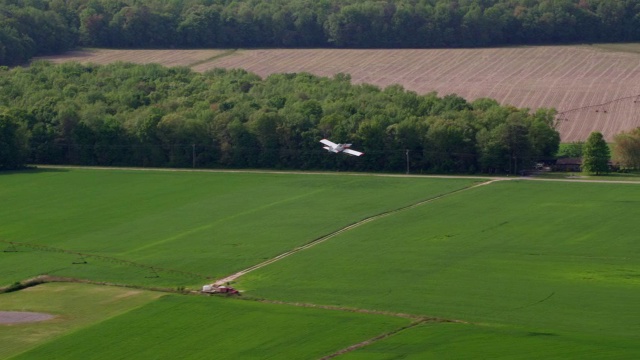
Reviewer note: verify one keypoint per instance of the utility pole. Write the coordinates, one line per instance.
(193, 154)
(407, 152)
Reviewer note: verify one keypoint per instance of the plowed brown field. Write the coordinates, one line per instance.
(595, 88)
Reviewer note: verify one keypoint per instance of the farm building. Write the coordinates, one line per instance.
(568, 165)
(575, 165)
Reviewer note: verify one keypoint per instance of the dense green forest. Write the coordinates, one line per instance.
(149, 115)
(37, 27)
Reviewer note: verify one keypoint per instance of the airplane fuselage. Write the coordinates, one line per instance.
(338, 148)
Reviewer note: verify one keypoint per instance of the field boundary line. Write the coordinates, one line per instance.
(378, 338)
(361, 311)
(416, 320)
(327, 173)
(333, 234)
(259, 171)
(48, 279)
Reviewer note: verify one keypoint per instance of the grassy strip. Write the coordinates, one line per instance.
(194, 222)
(373, 340)
(540, 257)
(340, 231)
(75, 306)
(458, 341)
(211, 327)
(213, 58)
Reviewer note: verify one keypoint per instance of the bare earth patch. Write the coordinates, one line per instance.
(18, 317)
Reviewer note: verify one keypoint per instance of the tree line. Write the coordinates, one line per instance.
(149, 115)
(598, 157)
(596, 154)
(38, 27)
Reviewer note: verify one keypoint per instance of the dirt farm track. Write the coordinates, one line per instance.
(593, 87)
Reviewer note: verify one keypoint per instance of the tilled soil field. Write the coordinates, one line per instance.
(594, 88)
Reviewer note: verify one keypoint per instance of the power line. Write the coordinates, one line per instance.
(562, 116)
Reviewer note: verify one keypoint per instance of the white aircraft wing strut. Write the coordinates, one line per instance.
(329, 143)
(352, 152)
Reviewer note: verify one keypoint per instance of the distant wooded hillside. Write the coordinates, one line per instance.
(40, 27)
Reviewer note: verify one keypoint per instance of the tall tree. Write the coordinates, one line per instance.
(450, 145)
(13, 142)
(515, 136)
(627, 148)
(545, 140)
(595, 154)
(200, 26)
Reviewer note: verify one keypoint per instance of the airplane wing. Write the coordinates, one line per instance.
(352, 152)
(329, 143)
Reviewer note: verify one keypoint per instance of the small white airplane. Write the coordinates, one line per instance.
(336, 148)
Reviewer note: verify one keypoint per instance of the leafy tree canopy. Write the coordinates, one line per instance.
(595, 154)
(149, 115)
(37, 27)
(13, 140)
(627, 149)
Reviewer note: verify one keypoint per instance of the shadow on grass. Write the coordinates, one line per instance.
(32, 170)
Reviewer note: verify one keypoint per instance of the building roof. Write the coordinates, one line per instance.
(569, 161)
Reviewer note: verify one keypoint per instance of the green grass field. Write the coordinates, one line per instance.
(521, 256)
(528, 269)
(206, 224)
(189, 327)
(76, 306)
(460, 341)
